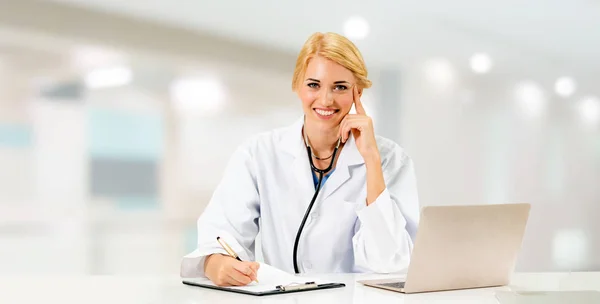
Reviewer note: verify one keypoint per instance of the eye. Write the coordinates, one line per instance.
(313, 85)
(340, 87)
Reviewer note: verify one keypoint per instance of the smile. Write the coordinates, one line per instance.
(325, 112)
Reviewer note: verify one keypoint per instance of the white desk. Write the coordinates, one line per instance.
(133, 290)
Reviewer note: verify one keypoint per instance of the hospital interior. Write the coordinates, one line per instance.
(118, 118)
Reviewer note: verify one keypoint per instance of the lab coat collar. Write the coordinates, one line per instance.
(291, 139)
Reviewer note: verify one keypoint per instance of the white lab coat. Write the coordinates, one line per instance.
(267, 187)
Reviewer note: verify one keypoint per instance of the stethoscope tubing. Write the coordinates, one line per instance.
(321, 173)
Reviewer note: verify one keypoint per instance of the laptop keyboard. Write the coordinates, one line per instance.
(393, 285)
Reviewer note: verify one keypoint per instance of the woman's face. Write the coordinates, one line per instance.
(326, 92)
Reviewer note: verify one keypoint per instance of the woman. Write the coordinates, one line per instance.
(365, 216)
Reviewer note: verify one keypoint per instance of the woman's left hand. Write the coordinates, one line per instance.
(361, 127)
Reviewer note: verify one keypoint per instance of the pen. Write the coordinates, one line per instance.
(229, 250)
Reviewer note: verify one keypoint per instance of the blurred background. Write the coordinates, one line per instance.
(117, 117)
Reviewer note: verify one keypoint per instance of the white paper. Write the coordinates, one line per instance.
(269, 278)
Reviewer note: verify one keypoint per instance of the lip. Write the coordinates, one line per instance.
(325, 117)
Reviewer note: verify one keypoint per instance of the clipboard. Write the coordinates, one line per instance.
(273, 281)
(279, 289)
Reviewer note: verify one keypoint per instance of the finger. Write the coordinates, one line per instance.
(356, 125)
(252, 273)
(342, 127)
(345, 129)
(243, 268)
(249, 269)
(353, 121)
(236, 278)
(255, 266)
(348, 125)
(357, 103)
(241, 273)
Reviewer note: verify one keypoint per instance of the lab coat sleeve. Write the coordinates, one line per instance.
(232, 214)
(386, 229)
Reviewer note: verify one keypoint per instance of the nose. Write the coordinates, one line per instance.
(327, 98)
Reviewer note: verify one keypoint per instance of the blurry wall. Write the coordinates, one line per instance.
(475, 143)
(108, 175)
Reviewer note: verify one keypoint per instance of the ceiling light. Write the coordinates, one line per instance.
(565, 86)
(108, 77)
(589, 110)
(439, 71)
(481, 63)
(197, 94)
(356, 28)
(530, 98)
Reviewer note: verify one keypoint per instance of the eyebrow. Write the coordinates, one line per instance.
(337, 82)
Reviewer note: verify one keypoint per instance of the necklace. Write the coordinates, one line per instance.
(321, 158)
(313, 154)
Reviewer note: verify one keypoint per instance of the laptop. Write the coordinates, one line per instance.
(459, 247)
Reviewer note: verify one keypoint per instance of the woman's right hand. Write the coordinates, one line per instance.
(226, 271)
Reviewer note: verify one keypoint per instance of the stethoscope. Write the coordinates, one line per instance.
(321, 173)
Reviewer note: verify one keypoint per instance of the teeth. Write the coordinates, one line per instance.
(325, 113)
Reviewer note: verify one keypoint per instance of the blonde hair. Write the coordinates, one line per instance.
(336, 48)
